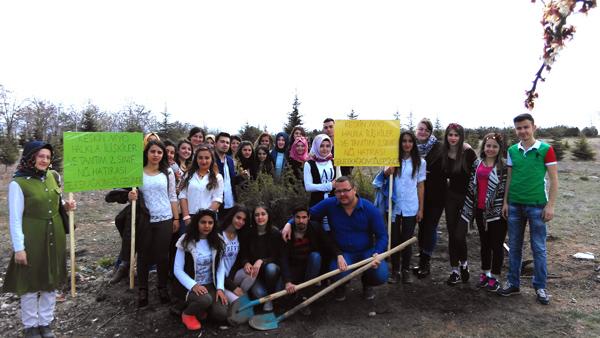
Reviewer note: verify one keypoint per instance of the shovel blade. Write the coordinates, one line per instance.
(264, 322)
(240, 311)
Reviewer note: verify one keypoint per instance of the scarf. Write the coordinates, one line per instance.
(287, 142)
(424, 148)
(294, 155)
(314, 150)
(26, 167)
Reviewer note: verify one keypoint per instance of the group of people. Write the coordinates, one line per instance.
(191, 226)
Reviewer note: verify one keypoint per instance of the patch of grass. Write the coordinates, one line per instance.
(106, 262)
(589, 320)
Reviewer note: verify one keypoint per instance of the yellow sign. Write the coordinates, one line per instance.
(366, 143)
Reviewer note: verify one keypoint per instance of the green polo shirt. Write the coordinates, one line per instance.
(528, 180)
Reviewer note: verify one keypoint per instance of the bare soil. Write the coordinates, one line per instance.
(428, 307)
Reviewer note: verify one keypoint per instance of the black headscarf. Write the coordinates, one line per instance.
(26, 166)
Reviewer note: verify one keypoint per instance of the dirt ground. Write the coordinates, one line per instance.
(427, 308)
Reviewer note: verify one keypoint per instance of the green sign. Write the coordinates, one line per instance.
(99, 161)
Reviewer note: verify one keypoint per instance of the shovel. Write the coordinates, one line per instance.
(268, 321)
(242, 308)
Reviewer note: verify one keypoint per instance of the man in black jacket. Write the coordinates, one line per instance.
(302, 255)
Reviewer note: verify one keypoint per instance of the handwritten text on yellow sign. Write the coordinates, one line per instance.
(366, 142)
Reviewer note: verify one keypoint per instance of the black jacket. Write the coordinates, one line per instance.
(319, 241)
(123, 218)
(274, 246)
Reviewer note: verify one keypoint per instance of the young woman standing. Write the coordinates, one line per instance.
(171, 149)
(264, 162)
(483, 203)
(199, 269)
(408, 194)
(38, 266)
(202, 186)
(279, 154)
(264, 139)
(234, 145)
(457, 163)
(183, 157)
(196, 137)
(298, 155)
(161, 201)
(435, 194)
(318, 170)
(297, 131)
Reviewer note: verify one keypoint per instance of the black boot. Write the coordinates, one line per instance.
(121, 272)
(424, 266)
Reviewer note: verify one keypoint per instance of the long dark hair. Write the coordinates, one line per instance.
(414, 154)
(213, 169)
(228, 219)
(163, 165)
(245, 163)
(192, 234)
(267, 165)
(269, 221)
(499, 163)
(459, 163)
(187, 162)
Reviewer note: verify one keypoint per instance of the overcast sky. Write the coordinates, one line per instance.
(224, 63)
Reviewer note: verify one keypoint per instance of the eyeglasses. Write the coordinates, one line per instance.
(342, 191)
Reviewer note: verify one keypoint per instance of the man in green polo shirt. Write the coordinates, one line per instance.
(526, 199)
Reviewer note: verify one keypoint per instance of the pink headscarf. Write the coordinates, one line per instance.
(314, 150)
(294, 155)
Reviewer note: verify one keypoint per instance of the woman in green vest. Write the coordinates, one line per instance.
(37, 233)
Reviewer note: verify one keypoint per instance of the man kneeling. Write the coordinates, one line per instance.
(358, 232)
(302, 255)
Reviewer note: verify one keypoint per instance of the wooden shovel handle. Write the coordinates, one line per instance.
(315, 280)
(328, 289)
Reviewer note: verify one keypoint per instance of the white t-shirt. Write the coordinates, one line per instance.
(203, 263)
(198, 196)
(232, 248)
(158, 195)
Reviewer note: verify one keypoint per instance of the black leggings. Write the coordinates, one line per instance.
(154, 248)
(402, 230)
(457, 228)
(428, 229)
(492, 252)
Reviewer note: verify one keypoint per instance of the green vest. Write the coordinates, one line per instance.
(45, 242)
(528, 179)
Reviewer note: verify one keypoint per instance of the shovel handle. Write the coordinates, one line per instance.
(311, 282)
(328, 289)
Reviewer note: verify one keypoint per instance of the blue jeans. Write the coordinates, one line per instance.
(268, 281)
(302, 273)
(518, 215)
(371, 277)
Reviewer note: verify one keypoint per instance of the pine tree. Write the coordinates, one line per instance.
(249, 133)
(9, 151)
(89, 118)
(294, 117)
(397, 115)
(438, 132)
(352, 115)
(410, 123)
(583, 151)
